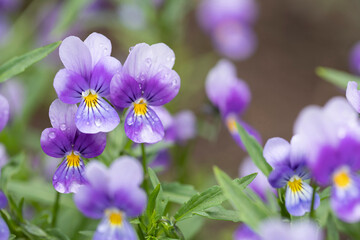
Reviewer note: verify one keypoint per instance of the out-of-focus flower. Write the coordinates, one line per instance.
(353, 95)
(231, 95)
(260, 184)
(13, 90)
(132, 15)
(3, 156)
(146, 80)
(162, 160)
(4, 112)
(86, 78)
(289, 163)
(65, 141)
(275, 229)
(229, 22)
(245, 233)
(114, 195)
(184, 126)
(354, 60)
(333, 137)
(4, 230)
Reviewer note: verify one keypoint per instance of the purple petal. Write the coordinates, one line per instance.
(97, 175)
(185, 124)
(99, 46)
(91, 202)
(346, 201)
(3, 156)
(145, 128)
(245, 233)
(4, 112)
(353, 95)
(279, 177)
(68, 178)
(131, 200)
(106, 231)
(299, 151)
(298, 203)
(234, 40)
(3, 200)
(55, 143)
(13, 90)
(164, 115)
(4, 230)
(161, 160)
(62, 117)
(76, 56)
(100, 117)
(125, 171)
(355, 59)
(124, 90)
(69, 85)
(277, 151)
(90, 145)
(102, 74)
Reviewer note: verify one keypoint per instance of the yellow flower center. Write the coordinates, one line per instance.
(90, 98)
(140, 107)
(295, 184)
(73, 160)
(341, 178)
(115, 217)
(231, 124)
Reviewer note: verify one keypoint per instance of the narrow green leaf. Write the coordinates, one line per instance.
(248, 211)
(177, 192)
(255, 150)
(336, 77)
(161, 200)
(18, 64)
(152, 201)
(332, 233)
(220, 213)
(211, 197)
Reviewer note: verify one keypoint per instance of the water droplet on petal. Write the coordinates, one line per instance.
(140, 85)
(130, 49)
(52, 135)
(87, 123)
(78, 116)
(98, 122)
(63, 127)
(148, 61)
(52, 120)
(130, 121)
(174, 81)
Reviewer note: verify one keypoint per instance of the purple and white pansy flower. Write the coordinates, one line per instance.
(231, 96)
(333, 132)
(86, 79)
(289, 163)
(146, 80)
(113, 195)
(64, 140)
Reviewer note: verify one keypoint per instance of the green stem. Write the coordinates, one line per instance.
(55, 209)
(140, 233)
(312, 211)
(144, 165)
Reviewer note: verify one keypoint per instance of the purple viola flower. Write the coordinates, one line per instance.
(354, 60)
(13, 90)
(274, 229)
(245, 233)
(3, 156)
(4, 112)
(229, 24)
(184, 126)
(161, 160)
(260, 184)
(113, 195)
(4, 229)
(146, 80)
(289, 163)
(63, 140)
(353, 95)
(333, 137)
(85, 79)
(231, 96)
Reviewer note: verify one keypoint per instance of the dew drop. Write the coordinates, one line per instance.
(52, 120)
(98, 122)
(142, 92)
(78, 116)
(87, 123)
(174, 82)
(52, 135)
(55, 177)
(130, 121)
(63, 127)
(140, 85)
(148, 61)
(130, 49)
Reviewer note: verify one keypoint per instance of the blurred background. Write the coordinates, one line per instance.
(293, 38)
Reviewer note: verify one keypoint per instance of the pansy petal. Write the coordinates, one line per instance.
(90, 145)
(125, 171)
(236, 99)
(4, 112)
(91, 202)
(279, 177)
(131, 200)
(106, 231)
(124, 90)
(298, 202)
(69, 85)
(55, 143)
(97, 175)
(277, 152)
(3, 156)
(99, 46)
(245, 233)
(4, 230)
(62, 116)
(353, 95)
(69, 176)
(76, 56)
(3, 200)
(299, 151)
(185, 124)
(161, 161)
(96, 117)
(102, 74)
(145, 128)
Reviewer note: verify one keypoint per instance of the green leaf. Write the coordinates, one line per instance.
(255, 150)
(332, 233)
(17, 65)
(161, 200)
(87, 233)
(152, 201)
(248, 211)
(336, 77)
(35, 230)
(220, 213)
(177, 192)
(211, 197)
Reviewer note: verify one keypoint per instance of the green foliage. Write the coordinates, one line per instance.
(220, 213)
(336, 77)
(17, 65)
(255, 150)
(177, 192)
